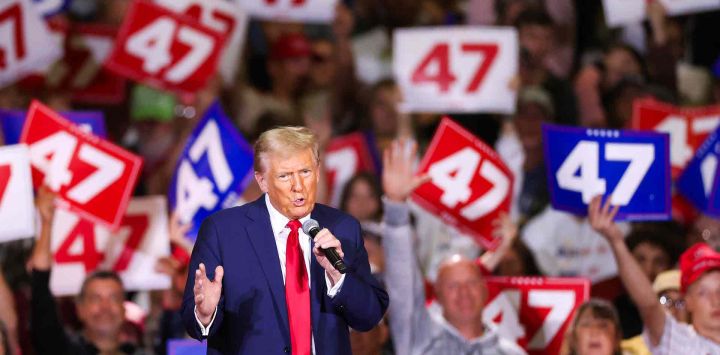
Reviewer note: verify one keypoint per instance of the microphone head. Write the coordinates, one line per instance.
(309, 225)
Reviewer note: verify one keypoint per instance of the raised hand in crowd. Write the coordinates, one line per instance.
(460, 287)
(506, 231)
(398, 177)
(41, 257)
(657, 16)
(601, 216)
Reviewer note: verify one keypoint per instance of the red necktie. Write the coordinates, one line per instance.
(297, 293)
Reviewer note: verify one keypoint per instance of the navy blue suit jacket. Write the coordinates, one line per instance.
(252, 314)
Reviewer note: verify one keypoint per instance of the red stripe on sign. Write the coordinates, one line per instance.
(5, 173)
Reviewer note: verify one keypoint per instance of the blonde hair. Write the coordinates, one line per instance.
(284, 140)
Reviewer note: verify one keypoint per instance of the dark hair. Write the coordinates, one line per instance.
(633, 53)
(531, 268)
(99, 275)
(382, 84)
(600, 309)
(667, 236)
(372, 181)
(501, 8)
(533, 16)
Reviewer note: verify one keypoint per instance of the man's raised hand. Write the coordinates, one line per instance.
(398, 177)
(207, 293)
(602, 217)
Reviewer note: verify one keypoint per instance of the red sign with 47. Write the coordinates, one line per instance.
(534, 311)
(688, 127)
(470, 185)
(165, 49)
(94, 177)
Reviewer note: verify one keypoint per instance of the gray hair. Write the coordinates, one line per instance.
(283, 140)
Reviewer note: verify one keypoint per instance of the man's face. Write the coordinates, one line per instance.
(652, 259)
(101, 308)
(703, 302)
(461, 292)
(594, 335)
(290, 180)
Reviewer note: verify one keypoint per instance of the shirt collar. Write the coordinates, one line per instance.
(488, 338)
(278, 221)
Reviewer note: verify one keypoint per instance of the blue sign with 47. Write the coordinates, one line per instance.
(212, 171)
(632, 168)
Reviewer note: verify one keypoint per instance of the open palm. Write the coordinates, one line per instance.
(398, 178)
(207, 293)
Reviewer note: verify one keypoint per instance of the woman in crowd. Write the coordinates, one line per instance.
(595, 330)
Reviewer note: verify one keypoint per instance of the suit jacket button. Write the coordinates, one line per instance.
(286, 349)
(341, 308)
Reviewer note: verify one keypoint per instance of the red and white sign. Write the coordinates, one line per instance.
(534, 311)
(470, 185)
(17, 210)
(162, 48)
(688, 127)
(80, 71)
(310, 11)
(223, 16)
(26, 44)
(345, 156)
(80, 247)
(456, 69)
(627, 12)
(94, 177)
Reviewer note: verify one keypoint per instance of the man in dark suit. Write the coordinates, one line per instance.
(277, 298)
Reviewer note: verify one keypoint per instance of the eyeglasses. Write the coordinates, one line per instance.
(670, 303)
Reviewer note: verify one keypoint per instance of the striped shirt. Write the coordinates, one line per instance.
(678, 338)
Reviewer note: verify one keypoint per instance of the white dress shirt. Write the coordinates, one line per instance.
(281, 231)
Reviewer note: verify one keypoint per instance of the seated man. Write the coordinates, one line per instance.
(699, 282)
(460, 287)
(100, 304)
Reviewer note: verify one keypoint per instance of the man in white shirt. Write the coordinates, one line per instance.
(699, 282)
(268, 295)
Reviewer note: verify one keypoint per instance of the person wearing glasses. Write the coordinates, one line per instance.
(667, 288)
(699, 285)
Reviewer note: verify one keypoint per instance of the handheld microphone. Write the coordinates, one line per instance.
(311, 227)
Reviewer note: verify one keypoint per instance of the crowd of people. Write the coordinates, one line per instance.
(655, 285)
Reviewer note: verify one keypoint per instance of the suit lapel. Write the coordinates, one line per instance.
(263, 241)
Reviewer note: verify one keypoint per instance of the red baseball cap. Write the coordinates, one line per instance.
(695, 261)
(290, 45)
